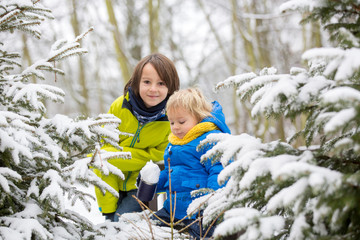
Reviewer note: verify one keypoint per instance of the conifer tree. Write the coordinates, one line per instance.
(43, 158)
(277, 191)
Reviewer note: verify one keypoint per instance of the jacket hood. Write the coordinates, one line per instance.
(218, 118)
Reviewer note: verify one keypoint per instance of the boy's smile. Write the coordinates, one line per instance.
(152, 89)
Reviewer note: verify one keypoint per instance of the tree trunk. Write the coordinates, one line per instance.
(153, 25)
(84, 104)
(27, 56)
(235, 98)
(119, 48)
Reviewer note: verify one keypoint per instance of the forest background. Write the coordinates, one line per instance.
(208, 41)
(275, 189)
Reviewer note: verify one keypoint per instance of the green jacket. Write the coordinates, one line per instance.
(148, 143)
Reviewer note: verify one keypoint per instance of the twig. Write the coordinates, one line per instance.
(197, 209)
(143, 207)
(173, 219)
(131, 222)
(187, 226)
(200, 221)
(170, 196)
(213, 222)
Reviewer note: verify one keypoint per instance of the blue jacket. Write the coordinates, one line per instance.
(187, 172)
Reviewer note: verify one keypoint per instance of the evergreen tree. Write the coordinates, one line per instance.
(277, 191)
(43, 158)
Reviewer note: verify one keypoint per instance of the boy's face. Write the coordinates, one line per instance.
(181, 121)
(152, 89)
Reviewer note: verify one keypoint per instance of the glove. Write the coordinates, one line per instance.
(138, 181)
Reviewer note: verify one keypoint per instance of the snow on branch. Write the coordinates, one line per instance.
(8, 62)
(283, 177)
(318, 90)
(251, 223)
(34, 93)
(16, 135)
(24, 16)
(235, 80)
(25, 228)
(303, 5)
(274, 94)
(5, 175)
(344, 63)
(235, 151)
(343, 102)
(310, 191)
(105, 126)
(347, 94)
(339, 119)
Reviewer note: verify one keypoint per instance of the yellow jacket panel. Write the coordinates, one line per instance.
(148, 143)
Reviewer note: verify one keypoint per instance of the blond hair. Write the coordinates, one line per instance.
(192, 100)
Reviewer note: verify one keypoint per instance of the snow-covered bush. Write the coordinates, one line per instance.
(43, 158)
(275, 190)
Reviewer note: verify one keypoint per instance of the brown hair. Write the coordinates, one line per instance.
(164, 67)
(191, 100)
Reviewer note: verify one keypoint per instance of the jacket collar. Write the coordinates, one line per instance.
(141, 112)
(218, 118)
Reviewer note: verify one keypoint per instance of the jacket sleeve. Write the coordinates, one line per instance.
(139, 157)
(164, 175)
(213, 169)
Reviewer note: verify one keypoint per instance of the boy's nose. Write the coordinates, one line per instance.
(153, 87)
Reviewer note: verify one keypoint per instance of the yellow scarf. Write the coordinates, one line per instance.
(195, 132)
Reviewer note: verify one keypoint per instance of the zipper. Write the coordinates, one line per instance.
(137, 134)
(126, 179)
(134, 140)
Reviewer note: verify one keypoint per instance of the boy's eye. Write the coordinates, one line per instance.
(162, 84)
(182, 122)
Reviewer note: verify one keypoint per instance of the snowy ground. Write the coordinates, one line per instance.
(130, 226)
(94, 215)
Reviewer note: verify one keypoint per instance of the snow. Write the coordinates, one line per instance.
(242, 218)
(53, 191)
(150, 173)
(246, 159)
(312, 87)
(340, 119)
(26, 227)
(33, 189)
(137, 226)
(8, 142)
(341, 94)
(6, 172)
(130, 225)
(268, 94)
(297, 228)
(288, 195)
(262, 166)
(94, 215)
(10, 234)
(237, 79)
(309, 5)
(343, 62)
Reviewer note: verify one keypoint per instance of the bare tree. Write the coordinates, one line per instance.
(84, 103)
(118, 45)
(154, 25)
